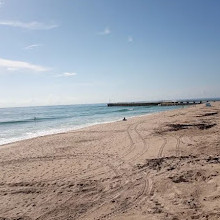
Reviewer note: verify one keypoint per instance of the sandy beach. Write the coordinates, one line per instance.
(163, 166)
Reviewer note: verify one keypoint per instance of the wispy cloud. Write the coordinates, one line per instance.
(32, 46)
(34, 25)
(106, 31)
(66, 74)
(130, 39)
(12, 65)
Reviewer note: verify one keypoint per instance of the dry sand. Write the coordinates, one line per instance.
(161, 166)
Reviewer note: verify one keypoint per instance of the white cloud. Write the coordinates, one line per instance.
(34, 25)
(67, 74)
(130, 39)
(32, 46)
(106, 31)
(12, 65)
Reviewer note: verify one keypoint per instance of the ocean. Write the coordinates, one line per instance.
(27, 122)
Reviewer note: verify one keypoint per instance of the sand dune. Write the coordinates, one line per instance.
(162, 166)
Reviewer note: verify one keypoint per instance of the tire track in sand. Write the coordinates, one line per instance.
(121, 189)
(145, 181)
(160, 152)
(64, 205)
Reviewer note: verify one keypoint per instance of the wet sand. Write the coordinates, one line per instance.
(164, 166)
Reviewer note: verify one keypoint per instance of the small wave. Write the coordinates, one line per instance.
(109, 112)
(16, 121)
(34, 119)
(124, 110)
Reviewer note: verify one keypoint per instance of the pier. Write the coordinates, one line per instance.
(161, 103)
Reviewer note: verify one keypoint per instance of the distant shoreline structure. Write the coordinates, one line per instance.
(161, 103)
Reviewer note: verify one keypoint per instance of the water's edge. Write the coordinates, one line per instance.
(77, 128)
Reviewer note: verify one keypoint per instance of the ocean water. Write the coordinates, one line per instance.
(28, 122)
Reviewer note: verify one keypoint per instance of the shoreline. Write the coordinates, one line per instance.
(159, 166)
(67, 130)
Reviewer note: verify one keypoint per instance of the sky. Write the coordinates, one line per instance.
(55, 52)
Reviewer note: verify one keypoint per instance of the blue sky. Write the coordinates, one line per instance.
(92, 51)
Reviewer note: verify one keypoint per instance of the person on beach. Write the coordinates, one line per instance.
(124, 119)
